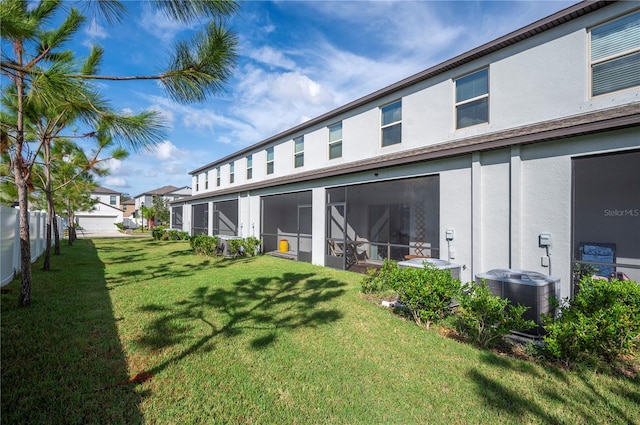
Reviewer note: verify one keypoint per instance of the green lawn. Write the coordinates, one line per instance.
(262, 340)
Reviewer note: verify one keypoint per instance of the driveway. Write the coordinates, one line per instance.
(92, 234)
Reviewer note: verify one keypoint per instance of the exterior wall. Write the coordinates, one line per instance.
(106, 199)
(497, 202)
(522, 91)
(103, 215)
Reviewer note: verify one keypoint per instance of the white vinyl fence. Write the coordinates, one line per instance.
(10, 240)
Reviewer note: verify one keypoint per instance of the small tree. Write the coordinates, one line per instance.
(160, 210)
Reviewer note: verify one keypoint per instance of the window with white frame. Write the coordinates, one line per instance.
(206, 180)
(335, 141)
(197, 182)
(298, 152)
(112, 200)
(218, 177)
(249, 167)
(270, 160)
(391, 123)
(472, 99)
(615, 55)
(232, 172)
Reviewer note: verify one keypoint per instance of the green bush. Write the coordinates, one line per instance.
(600, 324)
(236, 247)
(484, 318)
(243, 247)
(158, 233)
(377, 280)
(426, 292)
(205, 245)
(251, 246)
(177, 235)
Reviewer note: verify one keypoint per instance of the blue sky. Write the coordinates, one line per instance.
(297, 60)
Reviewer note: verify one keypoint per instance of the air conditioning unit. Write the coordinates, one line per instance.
(435, 262)
(531, 289)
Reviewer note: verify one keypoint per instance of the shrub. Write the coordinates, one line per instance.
(236, 247)
(177, 235)
(251, 246)
(158, 233)
(600, 324)
(205, 245)
(484, 318)
(377, 280)
(427, 292)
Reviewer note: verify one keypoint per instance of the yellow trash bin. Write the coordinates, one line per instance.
(284, 245)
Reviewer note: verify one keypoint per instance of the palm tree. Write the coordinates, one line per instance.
(42, 73)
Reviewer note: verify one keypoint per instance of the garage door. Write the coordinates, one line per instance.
(97, 224)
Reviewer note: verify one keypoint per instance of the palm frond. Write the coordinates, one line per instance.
(203, 66)
(112, 11)
(91, 64)
(54, 38)
(192, 10)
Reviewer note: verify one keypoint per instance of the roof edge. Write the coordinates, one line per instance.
(554, 20)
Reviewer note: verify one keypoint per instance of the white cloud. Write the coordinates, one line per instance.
(158, 25)
(167, 150)
(96, 31)
(269, 56)
(115, 182)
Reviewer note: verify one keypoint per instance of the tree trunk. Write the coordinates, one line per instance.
(47, 249)
(21, 171)
(47, 190)
(56, 233)
(24, 299)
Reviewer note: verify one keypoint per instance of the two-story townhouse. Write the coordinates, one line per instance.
(522, 153)
(168, 193)
(104, 215)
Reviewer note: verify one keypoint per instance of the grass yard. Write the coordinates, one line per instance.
(260, 340)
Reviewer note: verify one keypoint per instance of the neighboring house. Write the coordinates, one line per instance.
(128, 213)
(128, 208)
(105, 213)
(522, 153)
(169, 193)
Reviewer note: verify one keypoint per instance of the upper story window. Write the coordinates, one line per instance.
(218, 177)
(335, 141)
(472, 99)
(615, 55)
(249, 167)
(232, 172)
(391, 123)
(270, 160)
(112, 200)
(206, 180)
(197, 182)
(298, 152)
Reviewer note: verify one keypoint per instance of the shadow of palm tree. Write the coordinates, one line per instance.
(263, 306)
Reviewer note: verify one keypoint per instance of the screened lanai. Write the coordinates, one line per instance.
(606, 216)
(367, 223)
(286, 225)
(224, 216)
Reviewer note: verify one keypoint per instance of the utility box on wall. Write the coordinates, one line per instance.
(531, 289)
